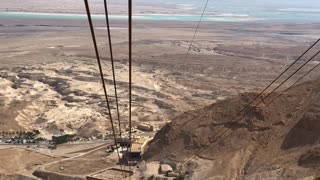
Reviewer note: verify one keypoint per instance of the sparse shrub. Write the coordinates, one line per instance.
(62, 139)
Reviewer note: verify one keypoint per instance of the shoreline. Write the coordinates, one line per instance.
(137, 17)
(157, 17)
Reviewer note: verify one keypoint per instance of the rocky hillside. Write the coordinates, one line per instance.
(66, 97)
(280, 141)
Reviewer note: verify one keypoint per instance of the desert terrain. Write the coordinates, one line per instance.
(49, 81)
(276, 141)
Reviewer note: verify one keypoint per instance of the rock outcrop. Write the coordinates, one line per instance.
(278, 141)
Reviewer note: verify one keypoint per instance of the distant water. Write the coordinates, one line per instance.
(149, 17)
(214, 14)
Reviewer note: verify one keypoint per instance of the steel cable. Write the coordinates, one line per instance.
(113, 69)
(101, 72)
(196, 31)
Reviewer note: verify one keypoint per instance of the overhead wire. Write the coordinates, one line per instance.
(101, 73)
(277, 78)
(113, 69)
(130, 65)
(266, 88)
(130, 71)
(292, 85)
(196, 30)
(295, 72)
(307, 73)
(254, 107)
(270, 84)
(215, 139)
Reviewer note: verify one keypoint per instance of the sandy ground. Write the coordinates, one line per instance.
(22, 161)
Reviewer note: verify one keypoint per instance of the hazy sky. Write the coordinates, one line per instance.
(295, 3)
(263, 3)
(273, 3)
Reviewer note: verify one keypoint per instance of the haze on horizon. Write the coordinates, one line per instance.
(212, 3)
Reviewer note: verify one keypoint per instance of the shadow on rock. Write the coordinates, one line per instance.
(305, 132)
